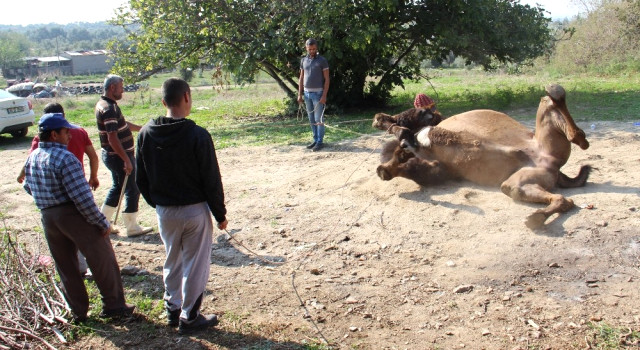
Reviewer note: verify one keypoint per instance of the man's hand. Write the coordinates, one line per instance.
(323, 100)
(300, 99)
(223, 225)
(94, 183)
(21, 176)
(128, 167)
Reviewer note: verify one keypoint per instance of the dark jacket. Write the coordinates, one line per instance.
(177, 165)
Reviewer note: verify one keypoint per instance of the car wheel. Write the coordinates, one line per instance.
(20, 133)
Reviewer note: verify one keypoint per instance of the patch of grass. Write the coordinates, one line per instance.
(608, 337)
(259, 114)
(588, 97)
(317, 346)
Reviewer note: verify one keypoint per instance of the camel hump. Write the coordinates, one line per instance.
(556, 92)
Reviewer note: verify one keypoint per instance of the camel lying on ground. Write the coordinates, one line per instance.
(490, 148)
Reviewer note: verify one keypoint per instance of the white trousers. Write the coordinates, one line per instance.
(186, 232)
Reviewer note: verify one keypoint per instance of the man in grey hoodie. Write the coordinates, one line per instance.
(178, 175)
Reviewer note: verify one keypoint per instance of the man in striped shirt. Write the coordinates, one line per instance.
(118, 150)
(71, 220)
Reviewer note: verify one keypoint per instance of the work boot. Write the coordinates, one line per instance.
(311, 145)
(131, 224)
(108, 211)
(201, 322)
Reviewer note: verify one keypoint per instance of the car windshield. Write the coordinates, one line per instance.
(6, 94)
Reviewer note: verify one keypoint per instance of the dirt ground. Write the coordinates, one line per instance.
(391, 265)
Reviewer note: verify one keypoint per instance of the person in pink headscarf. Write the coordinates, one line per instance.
(424, 101)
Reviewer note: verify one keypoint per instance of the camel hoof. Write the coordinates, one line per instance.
(535, 221)
(383, 173)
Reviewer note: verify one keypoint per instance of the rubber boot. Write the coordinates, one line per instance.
(131, 224)
(108, 211)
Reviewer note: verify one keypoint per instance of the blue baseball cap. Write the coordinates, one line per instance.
(53, 121)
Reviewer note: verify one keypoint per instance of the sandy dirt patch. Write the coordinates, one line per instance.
(391, 265)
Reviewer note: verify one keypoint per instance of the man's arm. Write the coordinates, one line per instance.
(325, 88)
(34, 145)
(301, 86)
(210, 178)
(142, 178)
(115, 144)
(93, 166)
(21, 176)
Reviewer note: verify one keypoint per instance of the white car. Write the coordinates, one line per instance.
(16, 114)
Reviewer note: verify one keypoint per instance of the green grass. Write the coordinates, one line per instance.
(607, 337)
(257, 114)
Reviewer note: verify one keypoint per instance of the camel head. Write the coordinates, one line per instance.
(553, 111)
(383, 121)
(414, 119)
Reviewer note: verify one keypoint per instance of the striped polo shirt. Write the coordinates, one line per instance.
(110, 119)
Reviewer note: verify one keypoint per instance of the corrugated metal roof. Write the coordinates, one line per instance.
(86, 53)
(52, 59)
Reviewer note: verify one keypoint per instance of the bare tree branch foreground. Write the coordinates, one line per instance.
(32, 308)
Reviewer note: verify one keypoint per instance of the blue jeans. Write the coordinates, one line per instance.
(131, 193)
(315, 111)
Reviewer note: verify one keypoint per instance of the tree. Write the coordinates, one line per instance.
(607, 40)
(371, 46)
(13, 48)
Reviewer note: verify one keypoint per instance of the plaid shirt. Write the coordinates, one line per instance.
(54, 176)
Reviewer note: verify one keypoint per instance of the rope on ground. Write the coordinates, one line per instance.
(307, 314)
(265, 260)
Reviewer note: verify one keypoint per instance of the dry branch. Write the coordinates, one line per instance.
(30, 297)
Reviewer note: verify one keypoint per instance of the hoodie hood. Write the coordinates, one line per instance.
(166, 132)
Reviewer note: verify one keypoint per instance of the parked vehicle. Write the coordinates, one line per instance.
(21, 89)
(16, 114)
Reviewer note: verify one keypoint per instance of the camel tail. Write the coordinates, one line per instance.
(567, 182)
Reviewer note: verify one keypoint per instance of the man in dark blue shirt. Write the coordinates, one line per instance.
(72, 221)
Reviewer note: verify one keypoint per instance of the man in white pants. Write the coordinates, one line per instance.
(178, 174)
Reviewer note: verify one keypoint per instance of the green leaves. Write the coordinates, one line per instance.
(13, 47)
(371, 46)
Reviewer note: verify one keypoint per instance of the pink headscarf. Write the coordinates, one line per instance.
(423, 101)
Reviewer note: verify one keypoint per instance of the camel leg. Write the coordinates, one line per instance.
(531, 185)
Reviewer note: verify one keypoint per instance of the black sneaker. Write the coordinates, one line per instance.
(318, 147)
(125, 311)
(311, 145)
(201, 322)
(173, 317)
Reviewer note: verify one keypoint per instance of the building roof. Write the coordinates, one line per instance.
(52, 59)
(86, 53)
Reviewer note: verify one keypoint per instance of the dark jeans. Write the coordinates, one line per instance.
(67, 231)
(131, 193)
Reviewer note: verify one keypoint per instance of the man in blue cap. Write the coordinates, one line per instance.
(55, 180)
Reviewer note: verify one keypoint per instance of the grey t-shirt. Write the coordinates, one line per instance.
(313, 68)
